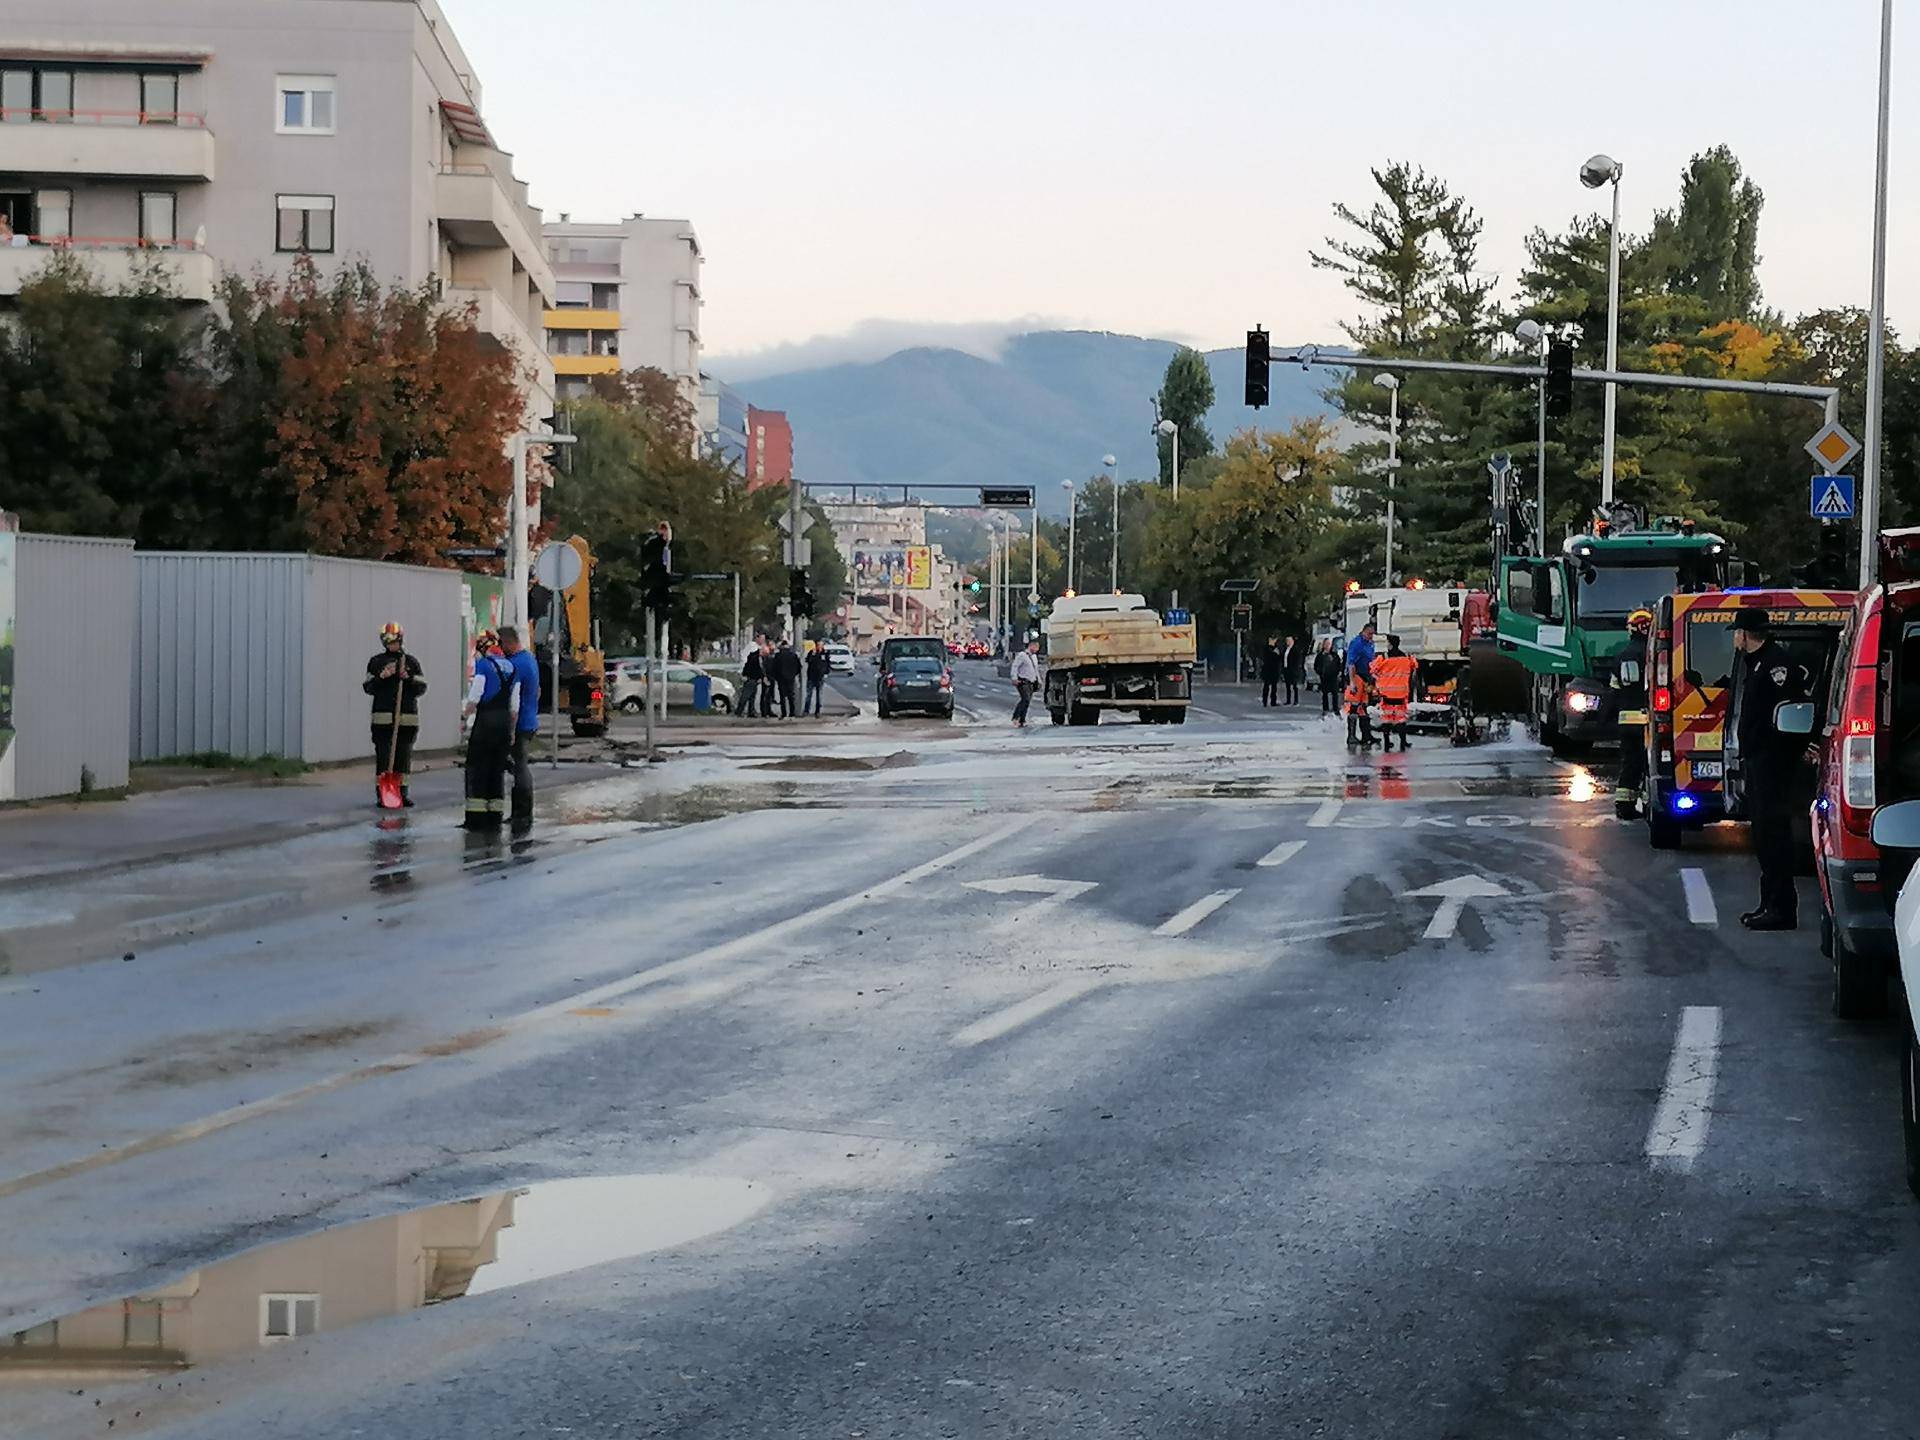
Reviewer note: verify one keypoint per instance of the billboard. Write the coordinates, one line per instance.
(919, 567)
(905, 567)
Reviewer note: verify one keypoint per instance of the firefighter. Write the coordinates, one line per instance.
(1631, 697)
(395, 682)
(493, 700)
(1766, 676)
(1393, 678)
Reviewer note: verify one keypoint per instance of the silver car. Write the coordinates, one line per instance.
(630, 686)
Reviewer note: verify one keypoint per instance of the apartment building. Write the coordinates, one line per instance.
(203, 135)
(628, 297)
(723, 423)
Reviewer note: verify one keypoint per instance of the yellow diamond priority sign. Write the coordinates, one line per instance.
(1832, 446)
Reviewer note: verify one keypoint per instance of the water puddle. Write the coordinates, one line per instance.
(375, 1268)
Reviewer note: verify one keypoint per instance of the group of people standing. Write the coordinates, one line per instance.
(1282, 665)
(503, 713)
(1386, 679)
(770, 676)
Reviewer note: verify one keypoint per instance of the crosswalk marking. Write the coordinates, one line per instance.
(1282, 853)
(1700, 906)
(1196, 912)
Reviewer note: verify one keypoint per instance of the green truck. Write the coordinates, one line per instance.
(1560, 621)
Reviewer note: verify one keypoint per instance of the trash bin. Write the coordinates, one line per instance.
(703, 693)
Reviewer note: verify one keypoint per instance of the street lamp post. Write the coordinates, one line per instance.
(1073, 513)
(1604, 170)
(1391, 384)
(1532, 332)
(1113, 564)
(1172, 432)
(1877, 316)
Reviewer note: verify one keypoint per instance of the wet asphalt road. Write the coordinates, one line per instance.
(1110, 1082)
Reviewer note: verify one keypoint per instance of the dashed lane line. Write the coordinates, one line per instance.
(1679, 1129)
(1196, 912)
(1700, 907)
(1328, 812)
(1025, 1012)
(747, 946)
(1281, 853)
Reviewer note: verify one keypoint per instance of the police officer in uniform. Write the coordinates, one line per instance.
(1631, 697)
(1767, 676)
(395, 682)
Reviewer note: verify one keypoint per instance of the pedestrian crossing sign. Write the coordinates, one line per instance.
(1832, 497)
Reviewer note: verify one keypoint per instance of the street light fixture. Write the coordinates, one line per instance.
(1172, 432)
(1391, 384)
(1605, 170)
(1532, 332)
(1073, 511)
(1113, 564)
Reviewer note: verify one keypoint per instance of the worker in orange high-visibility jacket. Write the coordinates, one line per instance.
(1393, 676)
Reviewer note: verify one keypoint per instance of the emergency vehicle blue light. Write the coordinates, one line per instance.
(1684, 803)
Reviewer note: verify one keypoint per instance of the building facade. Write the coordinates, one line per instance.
(769, 448)
(627, 297)
(723, 423)
(207, 135)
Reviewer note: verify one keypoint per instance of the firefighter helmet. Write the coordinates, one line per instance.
(1641, 616)
(486, 640)
(391, 631)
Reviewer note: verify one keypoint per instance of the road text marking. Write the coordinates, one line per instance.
(1282, 853)
(1679, 1129)
(1700, 907)
(1196, 912)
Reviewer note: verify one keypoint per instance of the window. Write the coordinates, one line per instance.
(39, 1335)
(143, 1324)
(572, 295)
(160, 99)
(32, 94)
(16, 96)
(305, 224)
(285, 1317)
(53, 214)
(606, 297)
(156, 217)
(304, 105)
(1520, 588)
(55, 99)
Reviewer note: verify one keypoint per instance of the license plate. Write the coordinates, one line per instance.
(1707, 770)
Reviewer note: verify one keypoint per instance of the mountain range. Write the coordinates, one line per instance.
(1046, 409)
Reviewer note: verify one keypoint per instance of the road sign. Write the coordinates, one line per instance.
(1179, 617)
(1832, 446)
(1243, 617)
(796, 554)
(476, 552)
(558, 566)
(1240, 587)
(786, 522)
(1013, 496)
(1831, 497)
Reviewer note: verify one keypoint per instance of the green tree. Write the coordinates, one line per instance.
(1186, 394)
(1709, 248)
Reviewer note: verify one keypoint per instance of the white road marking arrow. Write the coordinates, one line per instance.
(1453, 896)
(1054, 892)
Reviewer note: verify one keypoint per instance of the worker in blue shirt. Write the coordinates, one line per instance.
(1360, 657)
(492, 704)
(1360, 653)
(526, 722)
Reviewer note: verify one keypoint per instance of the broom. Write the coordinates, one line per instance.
(389, 782)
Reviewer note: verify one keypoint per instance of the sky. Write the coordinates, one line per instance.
(867, 174)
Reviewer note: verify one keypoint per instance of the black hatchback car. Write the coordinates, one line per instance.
(914, 682)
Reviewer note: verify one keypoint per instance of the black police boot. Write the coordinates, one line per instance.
(1769, 920)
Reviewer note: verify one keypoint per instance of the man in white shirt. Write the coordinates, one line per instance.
(1025, 671)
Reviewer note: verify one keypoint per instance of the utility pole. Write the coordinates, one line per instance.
(1877, 339)
(653, 683)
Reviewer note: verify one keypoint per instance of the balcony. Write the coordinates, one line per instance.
(583, 319)
(480, 210)
(108, 144)
(115, 263)
(586, 364)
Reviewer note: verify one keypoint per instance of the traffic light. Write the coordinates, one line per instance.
(1258, 355)
(1560, 379)
(974, 586)
(799, 594)
(656, 571)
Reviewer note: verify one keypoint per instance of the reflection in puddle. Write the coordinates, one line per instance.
(375, 1268)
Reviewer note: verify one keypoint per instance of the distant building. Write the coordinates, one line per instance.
(769, 448)
(230, 134)
(723, 423)
(627, 296)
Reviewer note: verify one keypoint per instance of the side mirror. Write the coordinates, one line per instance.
(1794, 718)
(1629, 672)
(1897, 826)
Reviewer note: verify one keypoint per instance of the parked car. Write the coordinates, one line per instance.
(629, 679)
(1869, 729)
(914, 682)
(839, 657)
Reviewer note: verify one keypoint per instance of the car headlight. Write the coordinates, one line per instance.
(1582, 701)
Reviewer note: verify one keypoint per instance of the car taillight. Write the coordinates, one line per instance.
(891, 682)
(1857, 727)
(1856, 772)
(598, 696)
(1662, 699)
(946, 677)
(1663, 661)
